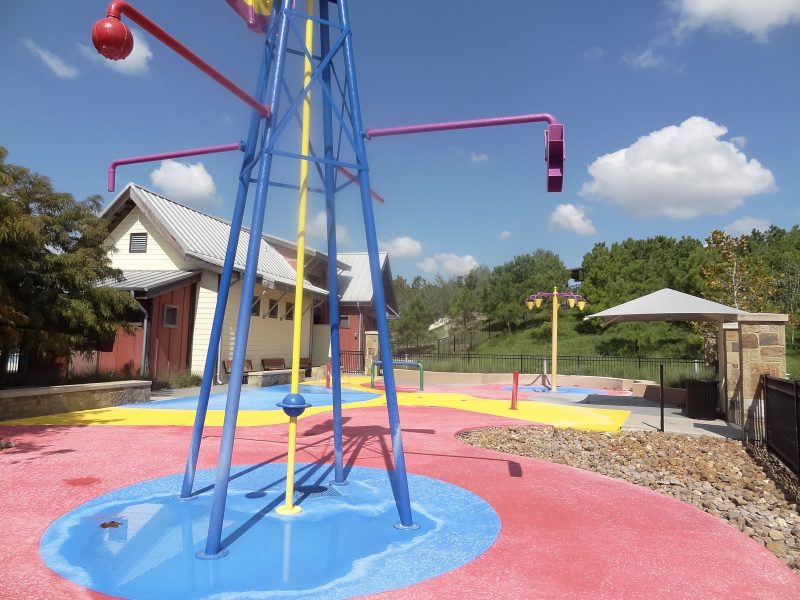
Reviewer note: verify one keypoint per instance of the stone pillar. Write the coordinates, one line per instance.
(729, 370)
(371, 350)
(762, 351)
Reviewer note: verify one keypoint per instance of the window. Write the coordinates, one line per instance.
(255, 308)
(170, 316)
(272, 313)
(320, 314)
(289, 311)
(137, 243)
(344, 322)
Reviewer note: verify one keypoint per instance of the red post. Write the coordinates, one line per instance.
(328, 375)
(514, 388)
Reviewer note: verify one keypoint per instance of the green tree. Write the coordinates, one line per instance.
(463, 306)
(51, 299)
(736, 276)
(633, 268)
(511, 283)
(412, 326)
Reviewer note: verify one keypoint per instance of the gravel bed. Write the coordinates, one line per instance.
(714, 474)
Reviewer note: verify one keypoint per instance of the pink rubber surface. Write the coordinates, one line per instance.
(565, 533)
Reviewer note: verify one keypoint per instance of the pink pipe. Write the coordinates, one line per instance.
(116, 8)
(470, 124)
(112, 168)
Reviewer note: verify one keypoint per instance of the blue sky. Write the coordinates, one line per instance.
(681, 116)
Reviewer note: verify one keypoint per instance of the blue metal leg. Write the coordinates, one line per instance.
(401, 477)
(333, 285)
(225, 279)
(213, 541)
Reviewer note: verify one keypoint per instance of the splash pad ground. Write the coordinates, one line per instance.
(563, 532)
(140, 541)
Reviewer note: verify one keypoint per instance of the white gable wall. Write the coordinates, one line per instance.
(160, 255)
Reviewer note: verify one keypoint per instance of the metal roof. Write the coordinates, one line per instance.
(357, 281)
(147, 284)
(205, 237)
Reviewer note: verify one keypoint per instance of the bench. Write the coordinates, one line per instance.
(248, 367)
(271, 364)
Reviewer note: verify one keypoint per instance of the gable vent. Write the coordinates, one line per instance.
(138, 242)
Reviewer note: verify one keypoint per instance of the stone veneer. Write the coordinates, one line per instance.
(21, 403)
(754, 346)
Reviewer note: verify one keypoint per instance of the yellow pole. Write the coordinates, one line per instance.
(305, 145)
(554, 356)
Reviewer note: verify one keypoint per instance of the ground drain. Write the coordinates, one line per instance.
(314, 491)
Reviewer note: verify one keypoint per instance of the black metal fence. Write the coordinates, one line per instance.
(602, 366)
(352, 361)
(782, 419)
(452, 343)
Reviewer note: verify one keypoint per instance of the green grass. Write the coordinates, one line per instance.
(576, 338)
(793, 364)
(177, 380)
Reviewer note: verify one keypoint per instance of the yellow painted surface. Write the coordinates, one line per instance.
(557, 415)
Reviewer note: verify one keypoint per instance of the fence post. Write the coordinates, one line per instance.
(514, 388)
(797, 423)
(661, 393)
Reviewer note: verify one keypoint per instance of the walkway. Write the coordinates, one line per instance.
(565, 533)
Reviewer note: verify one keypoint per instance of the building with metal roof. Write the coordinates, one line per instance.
(171, 255)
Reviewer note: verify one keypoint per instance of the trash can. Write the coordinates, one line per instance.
(701, 398)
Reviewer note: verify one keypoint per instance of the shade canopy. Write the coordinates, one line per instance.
(668, 305)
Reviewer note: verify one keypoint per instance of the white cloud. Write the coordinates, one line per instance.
(504, 235)
(185, 182)
(451, 264)
(593, 54)
(478, 157)
(569, 217)
(681, 171)
(754, 17)
(746, 225)
(138, 63)
(647, 59)
(318, 228)
(401, 247)
(739, 141)
(428, 265)
(51, 61)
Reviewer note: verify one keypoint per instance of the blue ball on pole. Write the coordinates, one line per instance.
(293, 405)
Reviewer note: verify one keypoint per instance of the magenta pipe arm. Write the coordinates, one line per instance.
(470, 124)
(112, 168)
(115, 9)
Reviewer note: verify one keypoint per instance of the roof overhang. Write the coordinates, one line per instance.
(149, 284)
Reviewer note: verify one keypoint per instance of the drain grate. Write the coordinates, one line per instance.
(315, 491)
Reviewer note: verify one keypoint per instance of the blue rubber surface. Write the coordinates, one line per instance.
(259, 398)
(340, 546)
(562, 389)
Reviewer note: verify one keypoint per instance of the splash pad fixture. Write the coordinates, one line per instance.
(330, 69)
